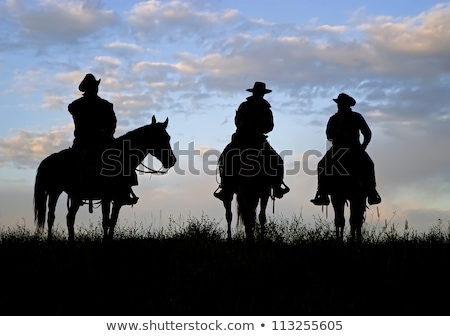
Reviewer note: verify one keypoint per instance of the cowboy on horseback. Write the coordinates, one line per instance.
(343, 129)
(95, 124)
(253, 120)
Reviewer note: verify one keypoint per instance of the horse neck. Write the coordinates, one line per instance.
(137, 142)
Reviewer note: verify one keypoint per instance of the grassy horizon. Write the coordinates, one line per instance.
(278, 230)
(189, 269)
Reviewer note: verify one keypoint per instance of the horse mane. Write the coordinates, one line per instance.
(133, 133)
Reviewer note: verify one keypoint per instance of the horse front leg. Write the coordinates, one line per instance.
(357, 210)
(106, 208)
(113, 219)
(249, 218)
(72, 212)
(249, 224)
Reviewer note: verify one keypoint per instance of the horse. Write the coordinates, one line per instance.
(346, 185)
(60, 172)
(252, 187)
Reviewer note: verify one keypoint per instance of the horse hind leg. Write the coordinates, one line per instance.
(228, 217)
(262, 216)
(249, 219)
(339, 218)
(52, 200)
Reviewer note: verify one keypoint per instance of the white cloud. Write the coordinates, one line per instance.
(426, 33)
(60, 21)
(27, 148)
(175, 19)
(108, 61)
(123, 48)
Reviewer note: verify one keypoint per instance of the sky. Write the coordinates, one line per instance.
(192, 61)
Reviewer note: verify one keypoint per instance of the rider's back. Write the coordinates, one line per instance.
(344, 129)
(253, 120)
(94, 118)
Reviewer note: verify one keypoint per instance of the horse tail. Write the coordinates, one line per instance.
(40, 199)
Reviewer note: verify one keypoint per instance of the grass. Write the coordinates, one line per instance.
(189, 269)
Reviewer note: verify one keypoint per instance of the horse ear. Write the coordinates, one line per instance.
(166, 122)
(153, 120)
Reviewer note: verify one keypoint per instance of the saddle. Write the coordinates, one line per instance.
(93, 185)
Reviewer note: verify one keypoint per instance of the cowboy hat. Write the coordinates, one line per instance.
(88, 82)
(345, 99)
(259, 87)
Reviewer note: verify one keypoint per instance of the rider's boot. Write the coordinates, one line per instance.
(373, 197)
(223, 192)
(321, 198)
(280, 190)
(130, 198)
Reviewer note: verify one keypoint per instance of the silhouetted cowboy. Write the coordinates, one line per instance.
(343, 129)
(94, 117)
(95, 124)
(253, 120)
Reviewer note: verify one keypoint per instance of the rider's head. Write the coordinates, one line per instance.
(259, 89)
(344, 101)
(89, 85)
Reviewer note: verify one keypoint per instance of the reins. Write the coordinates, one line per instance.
(149, 170)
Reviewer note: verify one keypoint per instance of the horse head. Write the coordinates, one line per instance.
(161, 148)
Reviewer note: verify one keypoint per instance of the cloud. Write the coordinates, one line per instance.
(53, 21)
(27, 148)
(123, 48)
(172, 20)
(427, 33)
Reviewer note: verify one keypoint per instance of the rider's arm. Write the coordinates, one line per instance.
(267, 121)
(330, 129)
(365, 131)
(113, 121)
(238, 116)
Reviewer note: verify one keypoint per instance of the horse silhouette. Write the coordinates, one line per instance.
(252, 186)
(61, 172)
(346, 184)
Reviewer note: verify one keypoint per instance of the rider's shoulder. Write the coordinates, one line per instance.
(266, 103)
(357, 115)
(258, 100)
(104, 102)
(73, 105)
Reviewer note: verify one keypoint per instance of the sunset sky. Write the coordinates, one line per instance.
(191, 61)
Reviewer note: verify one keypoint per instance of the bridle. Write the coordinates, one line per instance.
(160, 171)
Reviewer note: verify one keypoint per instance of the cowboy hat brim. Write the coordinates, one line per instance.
(350, 101)
(265, 90)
